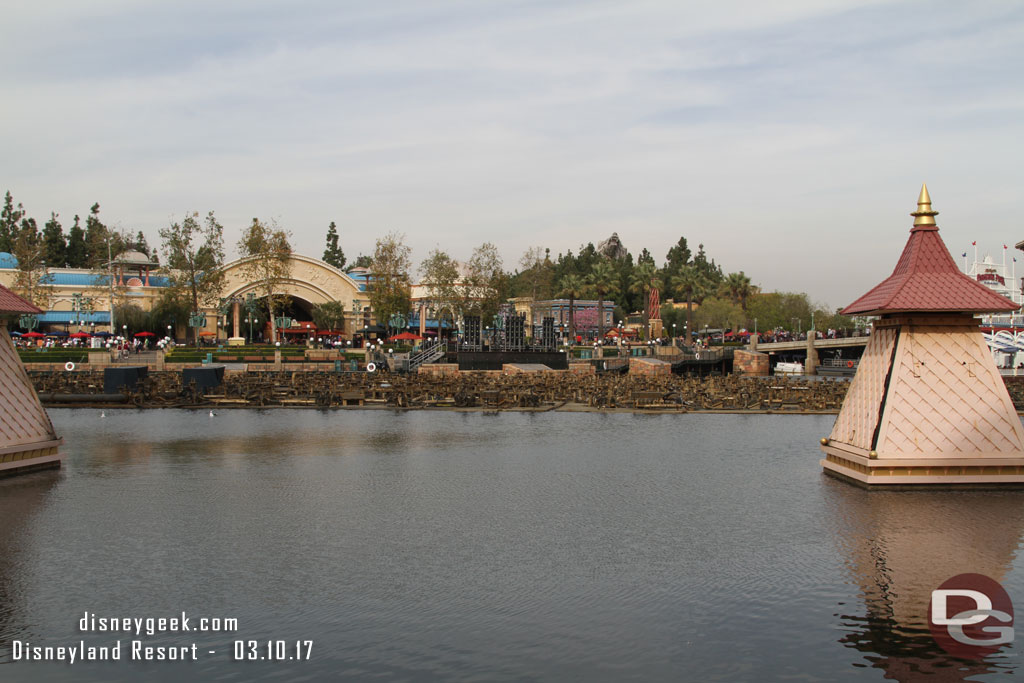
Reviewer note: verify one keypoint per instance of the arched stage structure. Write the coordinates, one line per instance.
(311, 282)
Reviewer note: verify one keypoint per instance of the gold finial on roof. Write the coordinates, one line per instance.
(924, 216)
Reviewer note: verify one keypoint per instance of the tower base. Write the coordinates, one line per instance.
(962, 472)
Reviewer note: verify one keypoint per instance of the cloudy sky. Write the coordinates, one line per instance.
(790, 138)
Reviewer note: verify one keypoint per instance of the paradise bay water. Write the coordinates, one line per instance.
(453, 546)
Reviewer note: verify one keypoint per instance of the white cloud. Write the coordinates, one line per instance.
(789, 138)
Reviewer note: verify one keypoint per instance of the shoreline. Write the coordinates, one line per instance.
(566, 408)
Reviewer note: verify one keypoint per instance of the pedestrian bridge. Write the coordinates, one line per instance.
(820, 344)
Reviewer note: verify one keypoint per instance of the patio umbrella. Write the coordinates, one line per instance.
(15, 334)
(144, 334)
(207, 334)
(101, 334)
(58, 333)
(80, 335)
(33, 335)
(406, 336)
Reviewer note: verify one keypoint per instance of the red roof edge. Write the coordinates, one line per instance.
(927, 280)
(12, 303)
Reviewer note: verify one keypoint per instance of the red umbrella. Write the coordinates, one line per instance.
(33, 335)
(80, 335)
(207, 334)
(406, 336)
(144, 334)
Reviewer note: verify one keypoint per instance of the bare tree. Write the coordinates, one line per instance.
(193, 255)
(390, 286)
(484, 289)
(440, 274)
(266, 253)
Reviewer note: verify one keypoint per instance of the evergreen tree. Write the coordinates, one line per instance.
(678, 256)
(10, 217)
(76, 254)
(140, 244)
(333, 253)
(54, 243)
(362, 261)
(711, 272)
(29, 229)
(96, 249)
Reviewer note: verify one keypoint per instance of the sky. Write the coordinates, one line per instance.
(789, 138)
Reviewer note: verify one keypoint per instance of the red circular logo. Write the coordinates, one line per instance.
(971, 616)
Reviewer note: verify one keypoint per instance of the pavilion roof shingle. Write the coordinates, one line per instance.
(12, 303)
(926, 279)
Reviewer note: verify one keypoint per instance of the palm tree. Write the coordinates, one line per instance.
(692, 284)
(643, 280)
(739, 288)
(573, 287)
(603, 280)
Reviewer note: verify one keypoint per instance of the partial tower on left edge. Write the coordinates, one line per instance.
(28, 441)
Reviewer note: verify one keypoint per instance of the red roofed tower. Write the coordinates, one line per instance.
(27, 438)
(927, 406)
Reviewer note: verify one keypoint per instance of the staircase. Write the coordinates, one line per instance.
(427, 353)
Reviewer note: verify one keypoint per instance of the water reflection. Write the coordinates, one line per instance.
(21, 498)
(899, 546)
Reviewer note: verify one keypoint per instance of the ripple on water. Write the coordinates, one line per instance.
(457, 546)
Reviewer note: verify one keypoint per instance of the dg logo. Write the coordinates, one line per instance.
(971, 616)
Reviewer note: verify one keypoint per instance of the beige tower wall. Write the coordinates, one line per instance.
(27, 438)
(946, 398)
(927, 406)
(858, 418)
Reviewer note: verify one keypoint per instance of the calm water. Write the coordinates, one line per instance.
(428, 546)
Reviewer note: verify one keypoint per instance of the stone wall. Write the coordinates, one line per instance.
(582, 368)
(649, 366)
(750, 363)
(439, 369)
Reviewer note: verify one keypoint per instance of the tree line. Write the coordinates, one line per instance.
(88, 246)
(193, 255)
(607, 272)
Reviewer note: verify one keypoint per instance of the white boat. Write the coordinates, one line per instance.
(789, 368)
